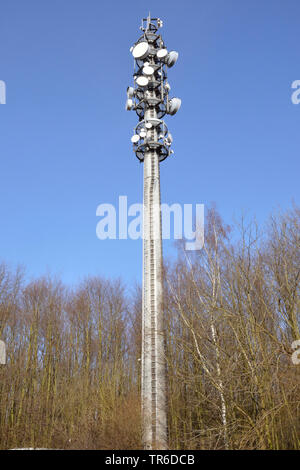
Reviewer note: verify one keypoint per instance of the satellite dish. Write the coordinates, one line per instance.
(142, 81)
(162, 53)
(129, 104)
(140, 51)
(135, 138)
(148, 70)
(174, 105)
(130, 92)
(172, 58)
(148, 125)
(143, 133)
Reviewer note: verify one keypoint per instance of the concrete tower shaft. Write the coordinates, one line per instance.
(151, 143)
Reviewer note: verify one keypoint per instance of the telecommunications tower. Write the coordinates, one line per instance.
(149, 97)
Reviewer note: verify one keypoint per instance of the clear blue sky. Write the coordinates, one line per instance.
(65, 136)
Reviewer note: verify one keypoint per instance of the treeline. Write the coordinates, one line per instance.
(72, 379)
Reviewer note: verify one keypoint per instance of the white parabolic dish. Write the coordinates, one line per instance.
(161, 53)
(142, 81)
(135, 138)
(174, 105)
(172, 58)
(129, 104)
(147, 70)
(140, 51)
(130, 92)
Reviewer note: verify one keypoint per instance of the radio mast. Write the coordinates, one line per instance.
(149, 97)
